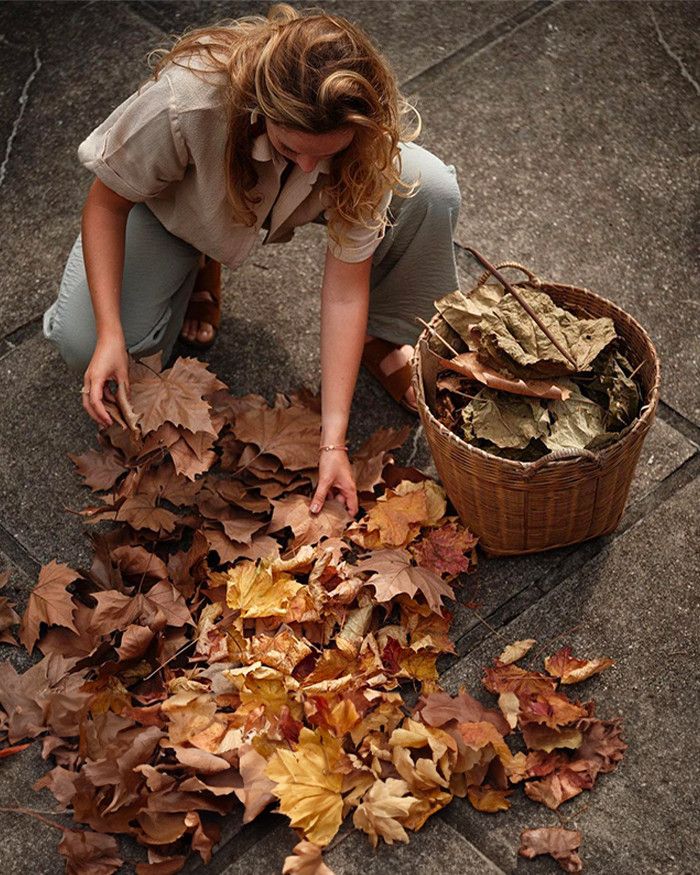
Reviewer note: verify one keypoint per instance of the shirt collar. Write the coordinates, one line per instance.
(263, 150)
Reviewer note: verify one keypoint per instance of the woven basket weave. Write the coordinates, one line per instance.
(565, 497)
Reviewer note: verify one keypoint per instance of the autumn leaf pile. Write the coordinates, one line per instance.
(227, 648)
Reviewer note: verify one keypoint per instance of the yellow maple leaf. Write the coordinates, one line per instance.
(397, 518)
(308, 782)
(254, 589)
(435, 498)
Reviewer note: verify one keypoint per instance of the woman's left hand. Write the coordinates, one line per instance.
(335, 472)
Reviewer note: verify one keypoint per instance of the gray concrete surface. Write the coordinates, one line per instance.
(574, 130)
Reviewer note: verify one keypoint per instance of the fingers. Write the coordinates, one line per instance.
(96, 407)
(320, 495)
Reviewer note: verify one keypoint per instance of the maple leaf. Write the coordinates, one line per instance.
(100, 470)
(515, 651)
(49, 603)
(256, 793)
(560, 843)
(440, 708)
(381, 810)
(291, 434)
(396, 519)
(561, 785)
(395, 574)
(308, 785)
(571, 670)
(602, 746)
(450, 550)
(305, 860)
(544, 738)
(8, 617)
(87, 851)
(256, 591)
(308, 528)
(488, 799)
(174, 396)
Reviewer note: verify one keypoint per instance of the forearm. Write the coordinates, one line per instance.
(344, 308)
(103, 229)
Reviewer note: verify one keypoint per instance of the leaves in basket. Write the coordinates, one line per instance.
(508, 335)
(504, 420)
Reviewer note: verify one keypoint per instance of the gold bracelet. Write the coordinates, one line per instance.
(334, 447)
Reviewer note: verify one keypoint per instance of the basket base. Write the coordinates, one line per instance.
(496, 552)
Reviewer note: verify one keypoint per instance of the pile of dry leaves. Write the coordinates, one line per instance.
(513, 393)
(228, 648)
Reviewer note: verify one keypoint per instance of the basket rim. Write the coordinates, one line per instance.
(641, 424)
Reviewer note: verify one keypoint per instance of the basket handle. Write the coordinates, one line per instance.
(523, 303)
(558, 456)
(534, 280)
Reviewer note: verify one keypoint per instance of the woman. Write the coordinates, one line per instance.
(260, 123)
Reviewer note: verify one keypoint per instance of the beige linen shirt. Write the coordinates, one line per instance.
(165, 145)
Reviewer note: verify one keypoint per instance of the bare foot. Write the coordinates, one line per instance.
(395, 360)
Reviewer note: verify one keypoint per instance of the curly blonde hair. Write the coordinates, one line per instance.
(313, 72)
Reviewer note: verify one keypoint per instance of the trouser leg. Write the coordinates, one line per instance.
(415, 263)
(159, 274)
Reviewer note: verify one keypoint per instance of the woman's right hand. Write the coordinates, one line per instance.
(110, 361)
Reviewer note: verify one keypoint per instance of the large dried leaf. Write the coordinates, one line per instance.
(395, 574)
(561, 844)
(49, 603)
(382, 809)
(508, 335)
(504, 420)
(308, 784)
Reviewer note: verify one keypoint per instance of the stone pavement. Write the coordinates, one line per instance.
(574, 130)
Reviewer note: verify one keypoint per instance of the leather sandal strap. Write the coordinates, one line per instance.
(208, 280)
(396, 383)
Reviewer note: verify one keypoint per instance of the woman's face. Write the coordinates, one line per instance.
(307, 150)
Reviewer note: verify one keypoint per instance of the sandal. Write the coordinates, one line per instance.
(208, 280)
(398, 382)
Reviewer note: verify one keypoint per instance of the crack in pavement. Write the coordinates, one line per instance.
(685, 72)
(22, 105)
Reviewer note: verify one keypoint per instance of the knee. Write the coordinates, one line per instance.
(75, 350)
(440, 189)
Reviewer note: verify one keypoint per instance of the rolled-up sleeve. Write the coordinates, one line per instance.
(358, 242)
(139, 149)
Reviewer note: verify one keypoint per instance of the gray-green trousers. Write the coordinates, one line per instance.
(413, 265)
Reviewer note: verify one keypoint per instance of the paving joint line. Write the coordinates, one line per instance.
(679, 422)
(17, 337)
(485, 40)
(18, 553)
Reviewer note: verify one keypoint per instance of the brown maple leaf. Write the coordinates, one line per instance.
(291, 434)
(395, 574)
(174, 396)
(560, 843)
(86, 851)
(451, 550)
(309, 528)
(49, 603)
(99, 469)
(571, 670)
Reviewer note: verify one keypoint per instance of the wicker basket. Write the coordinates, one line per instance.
(564, 497)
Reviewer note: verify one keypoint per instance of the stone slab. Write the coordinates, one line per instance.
(433, 850)
(637, 603)
(43, 420)
(16, 591)
(412, 35)
(575, 140)
(92, 57)
(436, 849)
